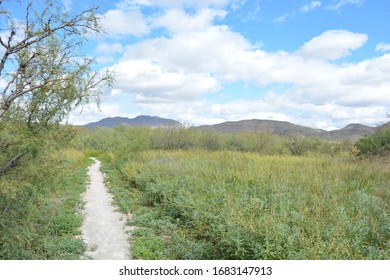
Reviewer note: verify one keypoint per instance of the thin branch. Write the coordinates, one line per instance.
(73, 22)
(7, 51)
(10, 164)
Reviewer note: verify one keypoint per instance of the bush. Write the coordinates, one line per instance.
(298, 145)
(38, 207)
(376, 144)
(172, 138)
(210, 140)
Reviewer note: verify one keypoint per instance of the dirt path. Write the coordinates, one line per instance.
(104, 228)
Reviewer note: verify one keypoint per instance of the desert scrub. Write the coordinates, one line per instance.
(39, 218)
(375, 144)
(234, 205)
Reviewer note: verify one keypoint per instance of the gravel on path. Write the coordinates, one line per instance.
(104, 228)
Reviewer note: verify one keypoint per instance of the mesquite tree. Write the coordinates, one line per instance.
(43, 73)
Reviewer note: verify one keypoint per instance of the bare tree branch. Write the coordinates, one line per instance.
(44, 75)
(10, 164)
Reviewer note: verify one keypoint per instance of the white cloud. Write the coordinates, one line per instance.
(149, 82)
(235, 5)
(311, 6)
(382, 47)
(177, 75)
(342, 3)
(177, 20)
(92, 113)
(124, 22)
(302, 10)
(205, 51)
(176, 3)
(110, 48)
(173, 76)
(282, 18)
(333, 44)
(273, 107)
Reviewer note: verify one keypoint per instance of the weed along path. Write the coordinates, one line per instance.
(104, 228)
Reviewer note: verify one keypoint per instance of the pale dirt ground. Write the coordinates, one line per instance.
(104, 228)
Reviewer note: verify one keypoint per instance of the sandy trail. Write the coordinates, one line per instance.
(104, 228)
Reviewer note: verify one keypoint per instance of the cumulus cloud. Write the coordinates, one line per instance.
(110, 48)
(382, 47)
(190, 65)
(177, 20)
(205, 51)
(333, 44)
(177, 75)
(176, 3)
(124, 22)
(149, 82)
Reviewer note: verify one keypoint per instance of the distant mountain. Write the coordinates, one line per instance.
(139, 121)
(353, 131)
(350, 132)
(282, 128)
(384, 126)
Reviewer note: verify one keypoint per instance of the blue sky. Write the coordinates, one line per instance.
(323, 64)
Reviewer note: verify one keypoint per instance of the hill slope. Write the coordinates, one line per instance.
(282, 128)
(135, 122)
(350, 132)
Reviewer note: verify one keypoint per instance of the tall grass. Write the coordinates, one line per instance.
(245, 196)
(39, 208)
(231, 205)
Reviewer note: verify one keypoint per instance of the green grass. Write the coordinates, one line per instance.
(43, 220)
(232, 205)
(206, 195)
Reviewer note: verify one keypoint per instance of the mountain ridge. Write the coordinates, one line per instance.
(139, 121)
(353, 131)
(284, 128)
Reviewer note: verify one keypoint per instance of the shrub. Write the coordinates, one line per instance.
(172, 138)
(210, 140)
(375, 144)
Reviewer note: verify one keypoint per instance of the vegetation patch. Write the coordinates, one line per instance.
(229, 203)
(42, 220)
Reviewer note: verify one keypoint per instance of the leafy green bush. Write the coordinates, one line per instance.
(39, 202)
(172, 138)
(300, 145)
(375, 144)
(210, 140)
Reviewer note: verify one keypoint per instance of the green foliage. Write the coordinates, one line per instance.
(123, 142)
(227, 204)
(45, 75)
(172, 138)
(300, 145)
(243, 196)
(210, 141)
(375, 144)
(39, 206)
(147, 245)
(261, 142)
